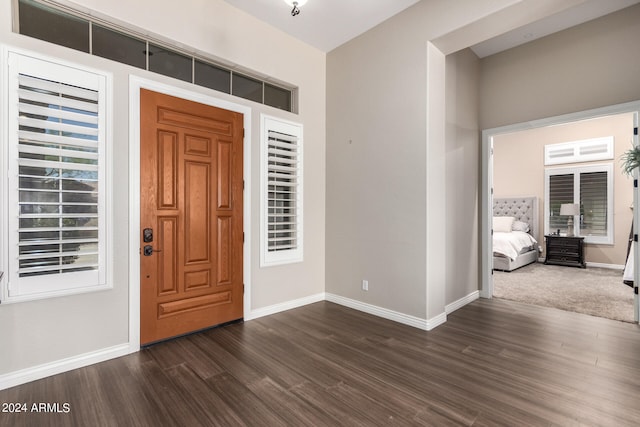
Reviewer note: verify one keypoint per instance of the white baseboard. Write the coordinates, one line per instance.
(288, 305)
(597, 264)
(436, 321)
(385, 313)
(23, 376)
(609, 266)
(450, 308)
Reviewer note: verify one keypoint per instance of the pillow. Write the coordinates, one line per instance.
(503, 224)
(520, 226)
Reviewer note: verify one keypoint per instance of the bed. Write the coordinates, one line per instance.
(515, 232)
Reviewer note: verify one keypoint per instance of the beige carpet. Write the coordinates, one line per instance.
(595, 291)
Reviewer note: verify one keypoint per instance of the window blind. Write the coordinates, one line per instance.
(591, 187)
(283, 179)
(593, 203)
(561, 190)
(57, 157)
(57, 177)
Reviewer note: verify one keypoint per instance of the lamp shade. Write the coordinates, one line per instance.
(569, 209)
(291, 2)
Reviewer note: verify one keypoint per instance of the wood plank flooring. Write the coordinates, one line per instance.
(494, 362)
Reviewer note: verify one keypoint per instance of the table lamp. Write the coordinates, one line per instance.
(570, 210)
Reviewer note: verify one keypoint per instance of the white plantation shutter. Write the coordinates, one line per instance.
(591, 187)
(593, 204)
(282, 192)
(282, 181)
(56, 177)
(561, 189)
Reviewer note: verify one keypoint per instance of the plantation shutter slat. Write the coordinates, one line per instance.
(58, 114)
(39, 98)
(61, 140)
(282, 197)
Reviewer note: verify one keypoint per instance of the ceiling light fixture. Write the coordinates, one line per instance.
(296, 5)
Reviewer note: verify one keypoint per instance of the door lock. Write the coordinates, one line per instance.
(147, 235)
(148, 250)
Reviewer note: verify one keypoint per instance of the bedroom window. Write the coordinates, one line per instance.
(281, 188)
(591, 187)
(56, 183)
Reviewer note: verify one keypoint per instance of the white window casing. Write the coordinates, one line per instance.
(281, 231)
(591, 187)
(56, 161)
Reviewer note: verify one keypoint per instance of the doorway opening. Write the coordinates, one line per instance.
(514, 167)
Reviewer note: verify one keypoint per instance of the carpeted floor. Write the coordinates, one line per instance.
(595, 291)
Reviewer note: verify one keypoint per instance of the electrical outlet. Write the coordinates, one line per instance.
(365, 285)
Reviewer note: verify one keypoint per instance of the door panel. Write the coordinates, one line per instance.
(191, 196)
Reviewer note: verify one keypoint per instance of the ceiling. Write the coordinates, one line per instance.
(326, 24)
(586, 11)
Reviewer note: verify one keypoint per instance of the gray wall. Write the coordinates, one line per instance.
(592, 65)
(379, 164)
(462, 171)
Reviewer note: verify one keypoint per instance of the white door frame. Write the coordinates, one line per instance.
(486, 212)
(135, 84)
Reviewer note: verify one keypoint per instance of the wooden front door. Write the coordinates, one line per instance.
(190, 216)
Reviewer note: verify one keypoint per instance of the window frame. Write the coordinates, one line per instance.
(585, 150)
(272, 258)
(14, 62)
(576, 171)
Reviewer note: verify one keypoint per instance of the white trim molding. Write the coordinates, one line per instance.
(385, 313)
(586, 150)
(450, 308)
(406, 319)
(24, 376)
(608, 266)
(284, 306)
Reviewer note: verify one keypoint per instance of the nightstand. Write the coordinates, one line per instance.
(562, 250)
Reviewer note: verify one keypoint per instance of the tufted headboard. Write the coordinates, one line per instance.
(524, 209)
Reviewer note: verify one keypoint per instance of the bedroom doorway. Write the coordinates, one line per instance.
(606, 243)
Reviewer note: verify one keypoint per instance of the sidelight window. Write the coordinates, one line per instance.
(281, 202)
(56, 213)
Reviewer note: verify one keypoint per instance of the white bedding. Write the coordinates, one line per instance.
(512, 244)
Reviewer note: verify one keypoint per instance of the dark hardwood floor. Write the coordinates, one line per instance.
(494, 362)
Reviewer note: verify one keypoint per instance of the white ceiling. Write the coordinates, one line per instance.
(326, 24)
